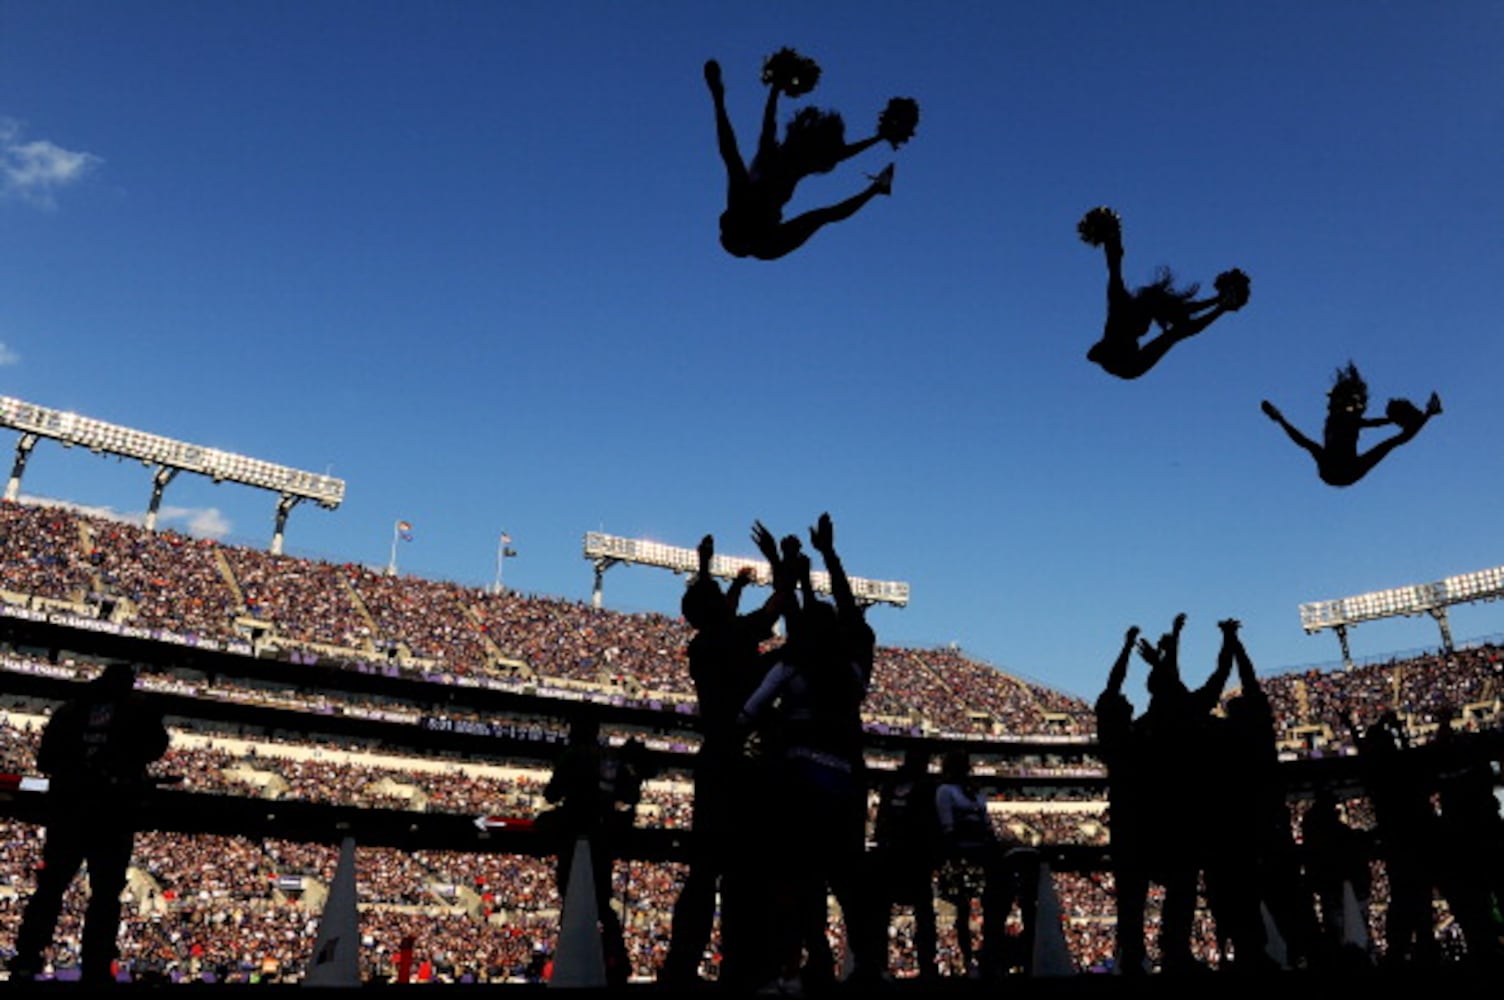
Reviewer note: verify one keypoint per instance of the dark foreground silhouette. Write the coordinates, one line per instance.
(1177, 312)
(1337, 459)
(814, 142)
(95, 749)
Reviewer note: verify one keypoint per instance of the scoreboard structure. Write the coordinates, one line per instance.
(166, 458)
(1416, 599)
(605, 551)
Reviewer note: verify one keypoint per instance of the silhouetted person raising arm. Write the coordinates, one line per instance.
(726, 667)
(814, 142)
(1173, 736)
(1118, 744)
(814, 697)
(1177, 312)
(1337, 459)
(1255, 855)
(96, 749)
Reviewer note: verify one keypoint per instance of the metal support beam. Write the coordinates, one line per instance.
(1442, 622)
(23, 452)
(601, 564)
(159, 481)
(285, 504)
(1347, 653)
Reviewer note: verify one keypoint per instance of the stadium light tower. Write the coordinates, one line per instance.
(1424, 598)
(166, 457)
(605, 551)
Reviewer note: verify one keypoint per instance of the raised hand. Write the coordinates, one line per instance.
(763, 539)
(1229, 626)
(822, 537)
(706, 549)
(1151, 653)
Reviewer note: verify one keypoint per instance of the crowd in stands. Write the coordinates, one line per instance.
(215, 906)
(1315, 710)
(198, 587)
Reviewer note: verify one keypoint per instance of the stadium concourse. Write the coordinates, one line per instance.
(310, 702)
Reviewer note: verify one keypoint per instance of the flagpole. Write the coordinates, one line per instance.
(391, 567)
(502, 553)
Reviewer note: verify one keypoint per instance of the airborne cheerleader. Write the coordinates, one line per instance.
(1337, 459)
(814, 141)
(1177, 312)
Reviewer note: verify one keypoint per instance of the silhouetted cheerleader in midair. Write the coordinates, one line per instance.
(1177, 312)
(1337, 459)
(814, 141)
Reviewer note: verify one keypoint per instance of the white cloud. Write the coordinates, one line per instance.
(8, 356)
(34, 171)
(108, 513)
(200, 522)
(208, 522)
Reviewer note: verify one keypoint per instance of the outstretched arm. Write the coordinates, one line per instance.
(822, 538)
(806, 581)
(796, 574)
(1247, 680)
(767, 139)
(738, 584)
(1171, 643)
(1209, 693)
(1119, 672)
(768, 546)
(1165, 655)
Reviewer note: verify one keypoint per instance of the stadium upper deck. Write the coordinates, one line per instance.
(52, 558)
(119, 576)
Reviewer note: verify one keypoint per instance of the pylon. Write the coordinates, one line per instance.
(336, 950)
(1052, 956)
(580, 958)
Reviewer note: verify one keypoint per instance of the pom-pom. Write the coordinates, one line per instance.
(1403, 413)
(898, 121)
(1100, 226)
(1232, 289)
(788, 71)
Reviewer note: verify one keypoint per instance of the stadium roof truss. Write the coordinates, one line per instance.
(606, 551)
(1422, 598)
(167, 456)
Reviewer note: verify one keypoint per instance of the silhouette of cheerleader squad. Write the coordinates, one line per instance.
(814, 142)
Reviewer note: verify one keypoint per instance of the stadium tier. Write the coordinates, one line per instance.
(310, 700)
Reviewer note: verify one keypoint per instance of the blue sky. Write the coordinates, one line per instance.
(464, 256)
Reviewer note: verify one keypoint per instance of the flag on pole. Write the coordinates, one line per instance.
(506, 539)
(405, 530)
